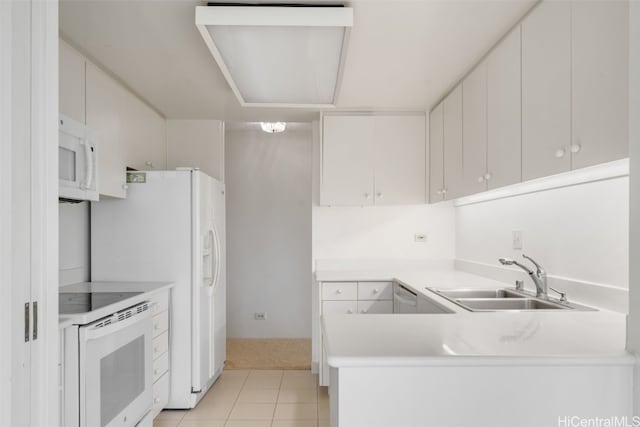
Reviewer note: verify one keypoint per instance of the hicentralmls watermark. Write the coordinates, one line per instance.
(614, 421)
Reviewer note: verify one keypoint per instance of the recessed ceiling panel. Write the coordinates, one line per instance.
(283, 56)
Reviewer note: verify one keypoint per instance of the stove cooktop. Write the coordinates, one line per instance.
(83, 302)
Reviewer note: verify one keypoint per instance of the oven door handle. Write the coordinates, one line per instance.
(97, 332)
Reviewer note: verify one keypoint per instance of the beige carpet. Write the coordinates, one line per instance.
(268, 354)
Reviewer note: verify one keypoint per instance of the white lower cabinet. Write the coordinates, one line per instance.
(351, 298)
(375, 307)
(160, 351)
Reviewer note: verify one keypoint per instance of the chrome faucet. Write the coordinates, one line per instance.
(539, 277)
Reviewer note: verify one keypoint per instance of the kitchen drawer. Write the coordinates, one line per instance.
(160, 366)
(375, 307)
(338, 291)
(375, 290)
(160, 301)
(339, 307)
(160, 345)
(160, 323)
(160, 394)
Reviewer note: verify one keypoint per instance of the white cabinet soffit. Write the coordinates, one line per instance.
(279, 56)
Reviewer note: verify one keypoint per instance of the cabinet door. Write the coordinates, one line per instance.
(347, 163)
(503, 113)
(104, 115)
(375, 307)
(546, 90)
(474, 130)
(600, 50)
(453, 144)
(436, 154)
(143, 135)
(399, 163)
(72, 83)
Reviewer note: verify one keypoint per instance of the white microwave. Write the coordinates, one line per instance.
(77, 162)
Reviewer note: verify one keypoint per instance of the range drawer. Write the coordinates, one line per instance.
(160, 345)
(375, 307)
(339, 307)
(160, 301)
(160, 323)
(160, 394)
(160, 366)
(375, 290)
(339, 291)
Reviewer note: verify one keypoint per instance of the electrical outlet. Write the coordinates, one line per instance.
(517, 239)
(260, 316)
(419, 238)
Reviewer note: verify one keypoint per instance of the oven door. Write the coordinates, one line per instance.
(115, 369)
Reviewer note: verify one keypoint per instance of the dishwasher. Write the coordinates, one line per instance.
(407, 301)
(404, 300)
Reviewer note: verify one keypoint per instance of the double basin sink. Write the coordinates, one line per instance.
(501, 300)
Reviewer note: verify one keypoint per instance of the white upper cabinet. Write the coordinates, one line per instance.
(504, 113)
(600, 81)
(452, 109)
(546, 90)
(144, 135)
(436, 154)
(400, 160)
(347, 161)
(72, 83)
(373, 160)
(105, 103)
(474, 130)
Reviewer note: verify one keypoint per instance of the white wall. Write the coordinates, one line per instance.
(74, 243)
(268, 181)
(383, 232)
(578, 232)
(196, 143)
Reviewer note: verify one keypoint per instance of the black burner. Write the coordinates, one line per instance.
(82, 302)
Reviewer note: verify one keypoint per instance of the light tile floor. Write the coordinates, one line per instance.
(257, 399)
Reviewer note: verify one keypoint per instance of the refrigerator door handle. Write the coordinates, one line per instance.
(216, 273)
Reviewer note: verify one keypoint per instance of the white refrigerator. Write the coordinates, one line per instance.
(171, 227)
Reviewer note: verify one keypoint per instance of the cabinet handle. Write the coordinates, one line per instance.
(349, 311)
(339, 291)
(481, 179)
(379, 195)
(487, 176)
(560, 152)
(156, 400)
(150, 164)
(375, 291)
(363, 311)
(575, 148)
(367, 195)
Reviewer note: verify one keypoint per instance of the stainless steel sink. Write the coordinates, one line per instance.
(479, 293)
(508, 304)
(503, 300)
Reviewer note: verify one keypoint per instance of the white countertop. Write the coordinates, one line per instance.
(146, 289)
(468, 338)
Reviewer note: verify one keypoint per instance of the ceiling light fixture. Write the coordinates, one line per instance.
(275, 127)
(279, 56)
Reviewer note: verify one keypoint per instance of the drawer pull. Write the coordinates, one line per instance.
(349, 311)
(363, 311)
(375, 291)
(339, 291)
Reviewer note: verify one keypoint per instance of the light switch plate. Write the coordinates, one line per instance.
(517, 239)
